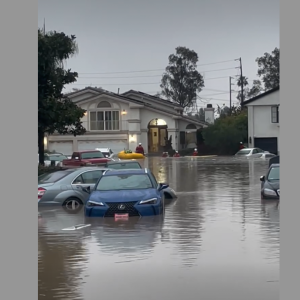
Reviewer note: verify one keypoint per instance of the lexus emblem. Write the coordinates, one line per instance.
(121, 207)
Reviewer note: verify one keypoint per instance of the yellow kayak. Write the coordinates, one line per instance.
(123, 155)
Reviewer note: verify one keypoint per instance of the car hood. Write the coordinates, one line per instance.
(272, 184)
(123, 195)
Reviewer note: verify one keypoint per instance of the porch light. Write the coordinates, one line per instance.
(85, 114)
(124, 112)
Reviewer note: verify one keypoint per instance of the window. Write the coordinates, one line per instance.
(104, 118)
(244, 152)
(90, 177)
(91, 155)
(274, 174)
(121, 166)
(275, 114)
(254, 151)
(53, 177)
(124, 182)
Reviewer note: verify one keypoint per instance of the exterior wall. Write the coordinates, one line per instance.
(259, 118)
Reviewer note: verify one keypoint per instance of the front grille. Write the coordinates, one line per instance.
(129, 209)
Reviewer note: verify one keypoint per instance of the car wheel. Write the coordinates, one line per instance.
(72, 205)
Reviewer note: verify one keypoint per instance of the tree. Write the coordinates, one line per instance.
(181, 80)
(56, 113)
(201, 115)
(269, 69)
(227, 132)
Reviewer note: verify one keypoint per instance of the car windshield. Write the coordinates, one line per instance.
(53, 177)
(244, 152)
(274, 174)
(56, 157)
(119, 166)
(124, 182)
(89, 155)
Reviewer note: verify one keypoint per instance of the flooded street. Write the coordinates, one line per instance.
(218, 240)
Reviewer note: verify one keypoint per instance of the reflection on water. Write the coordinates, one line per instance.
(217, 240)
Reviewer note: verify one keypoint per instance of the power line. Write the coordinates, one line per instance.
(153, 70)
(100, 84)
(158, 75)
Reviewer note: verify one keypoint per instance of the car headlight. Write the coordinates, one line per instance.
(269, 192)
(149, 201)
(94, 203)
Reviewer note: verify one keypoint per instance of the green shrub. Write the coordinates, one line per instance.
(224, 136)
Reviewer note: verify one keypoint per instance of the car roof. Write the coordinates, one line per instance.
(86, 151)
(92, 168)
(126, 172)
(114, 162)
(102, 149)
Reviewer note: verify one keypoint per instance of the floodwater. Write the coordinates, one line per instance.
(218, 240)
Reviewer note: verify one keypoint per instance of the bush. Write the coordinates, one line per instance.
(224, 136)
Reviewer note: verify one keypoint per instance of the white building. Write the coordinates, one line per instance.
(123, 121)
(263, 121)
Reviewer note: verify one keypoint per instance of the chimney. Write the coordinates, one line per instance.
(209, 114)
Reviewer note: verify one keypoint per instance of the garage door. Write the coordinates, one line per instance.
(267, 144)
(63, 147)
(116, 146)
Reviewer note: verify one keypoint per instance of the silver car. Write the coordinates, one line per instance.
(250, 152)
(68, 188)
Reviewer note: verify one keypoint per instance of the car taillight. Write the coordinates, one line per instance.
(41, 192)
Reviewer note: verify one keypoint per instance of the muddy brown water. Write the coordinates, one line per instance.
(218, 240)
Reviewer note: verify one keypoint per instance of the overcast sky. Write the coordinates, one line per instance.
(116, 36)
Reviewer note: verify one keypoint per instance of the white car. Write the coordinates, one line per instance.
(267, 155)
(54, 158)
(251, 152)
(107, 152)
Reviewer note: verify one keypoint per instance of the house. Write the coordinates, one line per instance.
(121, 121)
(263, 121)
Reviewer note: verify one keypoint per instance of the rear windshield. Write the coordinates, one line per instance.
(53, 177)
(89, 155)
(127, 166)
(243, 152)
(56, 157)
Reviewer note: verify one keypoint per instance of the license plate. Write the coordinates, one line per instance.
(121, 217)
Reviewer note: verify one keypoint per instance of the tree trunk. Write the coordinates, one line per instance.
(41, 145)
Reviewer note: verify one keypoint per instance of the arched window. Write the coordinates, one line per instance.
(191, 126)
(103, 104)
(104, 118)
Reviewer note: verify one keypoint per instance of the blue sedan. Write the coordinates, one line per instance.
(126, 193)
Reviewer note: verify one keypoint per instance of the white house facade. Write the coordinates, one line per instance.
(263, 121)
(122, 121)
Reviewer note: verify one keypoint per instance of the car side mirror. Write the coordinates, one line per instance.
(163, 186)
(262, 178)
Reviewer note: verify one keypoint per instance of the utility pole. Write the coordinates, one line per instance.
(230, 93)
(242, 82)
(241, 79)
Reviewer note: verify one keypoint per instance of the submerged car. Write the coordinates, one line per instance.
(107, 152)
(270, 184)
(68, 188)
(126, 193)
(134, 164)
(251, 152)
